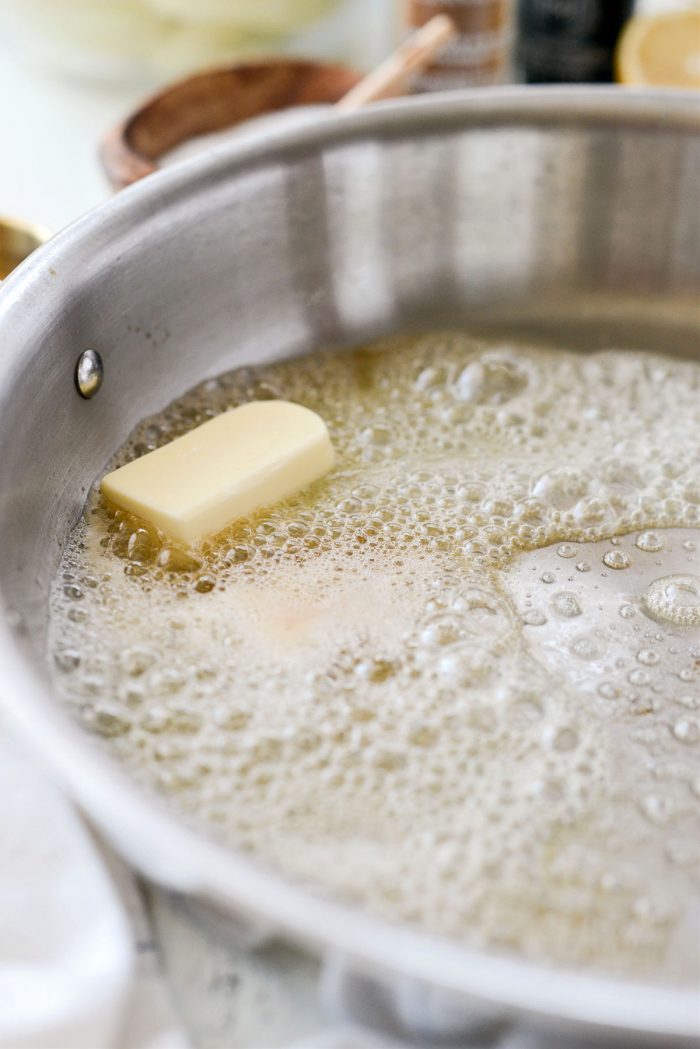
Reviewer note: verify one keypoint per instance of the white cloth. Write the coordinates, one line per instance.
(77, 966)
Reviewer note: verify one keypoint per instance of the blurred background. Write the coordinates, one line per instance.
(70, 69)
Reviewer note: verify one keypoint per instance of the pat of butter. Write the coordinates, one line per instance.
(237, 463)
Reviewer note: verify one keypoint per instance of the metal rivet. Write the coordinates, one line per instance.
(89, 373)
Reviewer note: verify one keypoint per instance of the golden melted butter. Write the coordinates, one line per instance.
(347, 684)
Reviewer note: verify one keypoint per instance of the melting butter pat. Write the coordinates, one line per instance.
(237, 463)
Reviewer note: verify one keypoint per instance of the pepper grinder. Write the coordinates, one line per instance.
(569, 41)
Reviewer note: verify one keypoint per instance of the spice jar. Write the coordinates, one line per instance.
(481, 53)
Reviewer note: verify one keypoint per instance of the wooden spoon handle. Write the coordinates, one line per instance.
(415, 55)
(213, 101)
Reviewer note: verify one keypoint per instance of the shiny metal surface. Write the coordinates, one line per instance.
(89, 373)
(565, 214)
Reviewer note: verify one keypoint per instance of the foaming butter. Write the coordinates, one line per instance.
(457, 681)
(241, 460)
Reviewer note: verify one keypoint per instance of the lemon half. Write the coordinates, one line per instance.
(660, 51)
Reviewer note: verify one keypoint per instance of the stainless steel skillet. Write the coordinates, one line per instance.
(565, 214)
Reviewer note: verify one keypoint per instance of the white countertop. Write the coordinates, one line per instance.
(50, 128)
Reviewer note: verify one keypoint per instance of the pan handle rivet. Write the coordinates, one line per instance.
(89, 373)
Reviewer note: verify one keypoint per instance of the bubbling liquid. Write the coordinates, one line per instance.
(437, 683)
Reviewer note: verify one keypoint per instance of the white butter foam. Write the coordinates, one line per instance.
(348, 685)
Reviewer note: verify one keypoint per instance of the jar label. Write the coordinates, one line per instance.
(479, 55)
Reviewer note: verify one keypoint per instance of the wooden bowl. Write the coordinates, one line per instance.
(213, 101)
